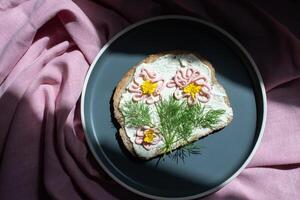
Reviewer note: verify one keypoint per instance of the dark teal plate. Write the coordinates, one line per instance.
(223, 154)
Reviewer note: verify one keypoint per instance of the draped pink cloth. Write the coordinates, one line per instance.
(46, 47)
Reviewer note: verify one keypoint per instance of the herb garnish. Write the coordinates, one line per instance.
(136, 114)
(177, 119)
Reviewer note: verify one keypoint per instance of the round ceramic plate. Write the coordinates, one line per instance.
(222, 156)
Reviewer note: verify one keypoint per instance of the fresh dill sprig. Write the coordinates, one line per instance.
(210, 118)
(136, 114)
(179, 119)
(171, 127)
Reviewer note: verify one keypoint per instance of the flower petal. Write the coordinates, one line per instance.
(140, 132)
(133, 89)
(146, 127)
(137, 81)
(147, 146)
(180, 74)
(156, 140)
(139, 140)
(178, 94)
(152, 99)
(138, 97)
(203, 98)
(199, 80)
(188, 73)
(146, 74)
(171, 84)
(160, 86)
(191, 100)
(196, 74)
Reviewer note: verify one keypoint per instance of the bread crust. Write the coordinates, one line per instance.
(127, 78)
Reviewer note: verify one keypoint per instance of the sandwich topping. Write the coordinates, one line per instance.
(146, 85)
(170, 100)
(147, 137)
(190, 84)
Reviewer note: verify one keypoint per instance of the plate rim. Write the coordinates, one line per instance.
(230, 37)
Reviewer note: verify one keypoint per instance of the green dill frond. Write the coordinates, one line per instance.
(179, 119)
(210, 118)
(176, 120)
(170, 125)
(136, 114)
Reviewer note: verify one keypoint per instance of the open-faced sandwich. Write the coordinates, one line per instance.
(169, 100)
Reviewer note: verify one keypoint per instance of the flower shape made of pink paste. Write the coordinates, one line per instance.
(148, 137)
(190, 84)
(146, 86)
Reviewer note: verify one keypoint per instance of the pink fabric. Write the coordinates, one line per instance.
(46, 48)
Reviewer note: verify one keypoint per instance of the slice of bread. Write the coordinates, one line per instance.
(167, 64)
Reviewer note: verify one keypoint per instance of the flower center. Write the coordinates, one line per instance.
(148, 87)
(148, 136)
(192, 89)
